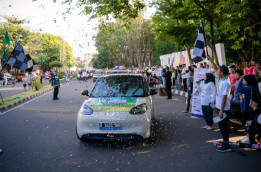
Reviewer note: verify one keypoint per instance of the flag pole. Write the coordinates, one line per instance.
(206, 44)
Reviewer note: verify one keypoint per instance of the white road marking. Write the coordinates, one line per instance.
(24, 103)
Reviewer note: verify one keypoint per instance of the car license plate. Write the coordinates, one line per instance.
(110, 126)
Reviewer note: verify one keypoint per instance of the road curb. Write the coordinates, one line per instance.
(180, 93)
(25, 99)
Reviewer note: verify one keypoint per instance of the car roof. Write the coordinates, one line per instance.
(121, 74)
(119, 70)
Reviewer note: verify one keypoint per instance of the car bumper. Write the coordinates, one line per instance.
(133, 126)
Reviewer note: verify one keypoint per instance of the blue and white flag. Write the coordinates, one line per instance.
(200, 44)
(19, 59)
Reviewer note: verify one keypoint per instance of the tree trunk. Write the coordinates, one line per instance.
(213, 42)
(254, 51)
(189, 55)
(242, 55)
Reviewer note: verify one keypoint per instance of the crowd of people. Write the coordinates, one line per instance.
(226, 88)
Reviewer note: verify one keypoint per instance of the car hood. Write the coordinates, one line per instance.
(114, 104)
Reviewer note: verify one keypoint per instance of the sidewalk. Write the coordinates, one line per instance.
(8, 91)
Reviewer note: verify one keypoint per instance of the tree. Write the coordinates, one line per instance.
(36, 44)
(16, 34)
(14, 20)
(121, 44)
(118, 9)
(178, 22)
(241, 21)
(56, 64)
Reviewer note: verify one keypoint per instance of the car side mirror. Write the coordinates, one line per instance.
(85, 93)
(153, 91)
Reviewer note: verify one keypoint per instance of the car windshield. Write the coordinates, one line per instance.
(119, 86)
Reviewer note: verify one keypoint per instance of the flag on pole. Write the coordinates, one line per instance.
(200, 44)
(19, 59)
(6, 39)
(32, 66)
(42, 59)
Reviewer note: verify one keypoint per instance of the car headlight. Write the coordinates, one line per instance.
(86, 110)
(140, 109)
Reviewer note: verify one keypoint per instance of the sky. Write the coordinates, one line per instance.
(45, 16)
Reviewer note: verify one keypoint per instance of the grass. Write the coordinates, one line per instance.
(10, 100)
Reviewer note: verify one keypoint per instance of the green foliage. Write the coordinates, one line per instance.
(55, 64)
(36, 44)
(235, 23)
(241, 21)
(14, 20)
(124, 44)
(36, 85)
(119, 9)
(163, 45)
(61, 75)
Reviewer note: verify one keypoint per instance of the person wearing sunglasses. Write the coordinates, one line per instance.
(248, 70)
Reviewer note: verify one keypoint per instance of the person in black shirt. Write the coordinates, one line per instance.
(167, 76)
(56, 85)
(190, 89)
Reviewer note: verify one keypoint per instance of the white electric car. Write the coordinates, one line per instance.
(120, 106)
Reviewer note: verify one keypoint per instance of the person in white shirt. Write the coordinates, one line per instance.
(208, 96)
(223, 103)
(184, 77)
(25, 82)
(160, 74)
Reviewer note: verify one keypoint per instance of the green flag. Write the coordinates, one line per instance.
(41, 59)
(4, 55)
(6, 39)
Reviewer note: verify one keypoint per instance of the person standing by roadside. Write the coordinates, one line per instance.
(190, 89)
(258, 67)
(1, 79)
(184, 77)
(167, 75)
(222, 103)
(30, 80)
(5, 79)
(160, 74)
(41, 78)
(232, 78)
(208, 96)
(236, 97)
(173, 77)
(253, 65)
(25, 82)
(246, 89)
(56, 85)
(67, 76)
(248, 68)
(163, 78)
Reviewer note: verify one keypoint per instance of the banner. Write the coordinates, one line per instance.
(199, 74)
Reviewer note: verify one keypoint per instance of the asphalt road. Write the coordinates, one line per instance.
(40, 136)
